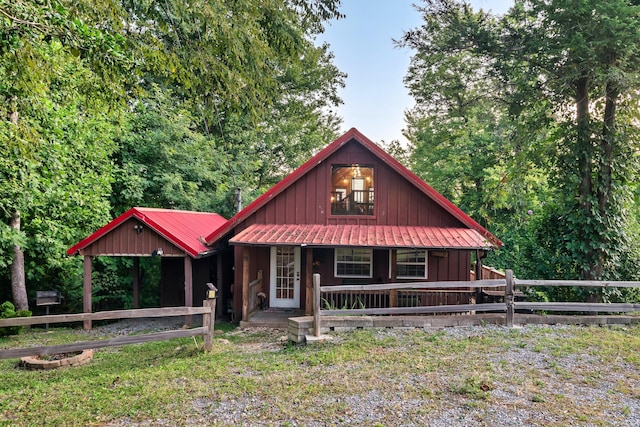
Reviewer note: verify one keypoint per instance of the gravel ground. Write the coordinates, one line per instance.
(576, 391)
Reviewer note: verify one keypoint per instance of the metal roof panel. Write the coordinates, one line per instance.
(387, 236)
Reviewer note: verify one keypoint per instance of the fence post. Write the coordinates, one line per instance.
(245, 283)
(316, 304)
(508, 297)
(208, 322)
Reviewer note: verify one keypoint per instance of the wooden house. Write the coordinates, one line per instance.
(353, 214)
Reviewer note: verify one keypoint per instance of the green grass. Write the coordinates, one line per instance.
(176, 383)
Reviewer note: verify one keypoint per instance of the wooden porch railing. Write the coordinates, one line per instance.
(379, 299)
(208, 321)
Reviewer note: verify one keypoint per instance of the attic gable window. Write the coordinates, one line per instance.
(352, 189)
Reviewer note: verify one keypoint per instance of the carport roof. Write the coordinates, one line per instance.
(185, 229)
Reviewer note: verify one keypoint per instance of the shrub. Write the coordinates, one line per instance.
(7, 311)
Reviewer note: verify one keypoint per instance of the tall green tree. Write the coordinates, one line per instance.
(106, 104)
(55, 166)
(564, 78)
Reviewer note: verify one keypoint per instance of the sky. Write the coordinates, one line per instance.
(375, 98)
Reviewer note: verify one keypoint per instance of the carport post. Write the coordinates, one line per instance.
(86, 302)
(188, 287)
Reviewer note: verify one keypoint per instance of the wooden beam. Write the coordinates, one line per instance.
(417, 285)
(103, 315)
(136, 282)
(456, 308)
(188, 287)
(508, 298)
(308, 275)
(316, 305)
(110, 342)
(86, 289)
(208, 322)
(219, 281)
(245, 283)
(393, 293)
(579, 283)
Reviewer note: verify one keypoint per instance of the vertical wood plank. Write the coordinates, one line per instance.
(219, 282)
(393, 293)
(86, 302)
(245, 283)
(316, 304)
(136, 282)
(188, 287)
(308, 278)
(208, 322)
(508, 298)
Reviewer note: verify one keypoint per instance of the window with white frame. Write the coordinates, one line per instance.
(410, 264)
(353, 262)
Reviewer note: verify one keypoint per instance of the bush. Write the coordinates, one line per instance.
(7, 311)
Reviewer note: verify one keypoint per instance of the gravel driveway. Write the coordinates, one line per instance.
(529, 381)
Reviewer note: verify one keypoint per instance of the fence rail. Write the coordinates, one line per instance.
(208, 321)
(354, 300)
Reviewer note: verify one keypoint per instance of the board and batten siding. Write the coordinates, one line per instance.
(397, 201)
(124, 241)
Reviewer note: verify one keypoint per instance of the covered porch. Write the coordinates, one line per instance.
(278, 263)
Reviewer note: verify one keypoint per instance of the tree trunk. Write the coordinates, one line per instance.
(605, 179)
(606, 149)
(583, 144)
(584, 151)
(18, 286)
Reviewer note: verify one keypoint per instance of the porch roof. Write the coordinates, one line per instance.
(382, 236)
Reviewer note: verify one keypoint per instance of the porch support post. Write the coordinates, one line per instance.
(393, 293)
(478, 265)
(219, 281)
(86, 302)
(245, 284)
(188, 287)
(478, 272)
(136, 282)
(316, 305)
(308, 303)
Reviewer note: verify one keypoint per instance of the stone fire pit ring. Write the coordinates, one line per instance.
(52, 362)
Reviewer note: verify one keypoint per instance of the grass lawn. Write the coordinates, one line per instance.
(474, 376)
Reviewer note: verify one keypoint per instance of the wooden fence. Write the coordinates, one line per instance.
(390, 298)
(208, 320)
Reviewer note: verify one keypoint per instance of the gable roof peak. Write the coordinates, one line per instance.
(352, 134)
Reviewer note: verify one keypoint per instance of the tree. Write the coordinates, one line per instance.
(170, 104)
(49, 94)
(562, 78)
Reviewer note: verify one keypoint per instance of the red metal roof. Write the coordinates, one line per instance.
(185, 229)
(385, 236)
(352, 134)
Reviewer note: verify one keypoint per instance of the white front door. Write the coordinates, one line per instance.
(285, 277)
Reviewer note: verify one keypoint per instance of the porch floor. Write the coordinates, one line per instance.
(271, 318)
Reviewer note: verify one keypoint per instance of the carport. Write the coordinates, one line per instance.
(187, 264)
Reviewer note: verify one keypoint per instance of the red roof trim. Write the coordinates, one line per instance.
(352, 134)
(145, 215)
